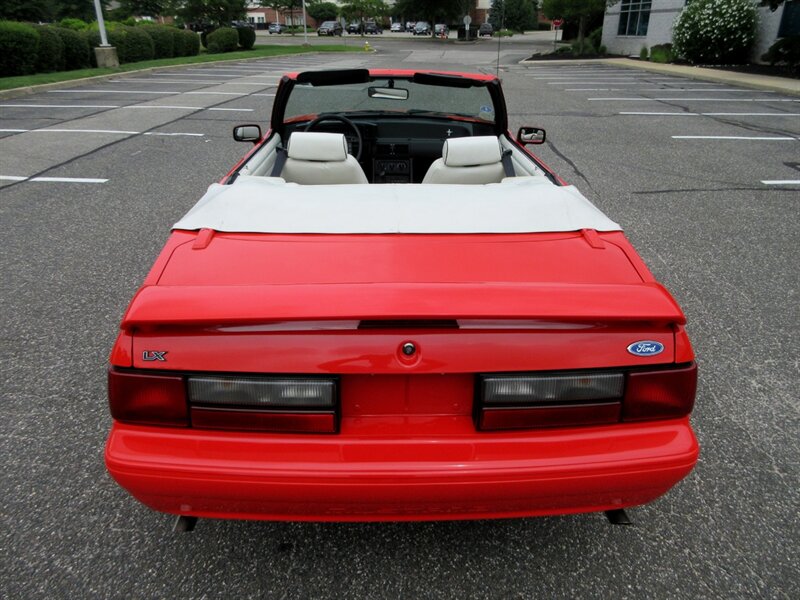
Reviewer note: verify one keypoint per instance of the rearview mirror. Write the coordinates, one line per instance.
(531, 135)
(388, 93)
(247, 133)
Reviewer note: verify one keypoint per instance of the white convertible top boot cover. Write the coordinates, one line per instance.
(517, 205)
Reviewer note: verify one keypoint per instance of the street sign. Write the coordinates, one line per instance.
(558, 22)
(467, 20)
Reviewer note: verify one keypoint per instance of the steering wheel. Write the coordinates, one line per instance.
(341, 119)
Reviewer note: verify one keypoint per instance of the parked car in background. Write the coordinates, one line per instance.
(354, 27)
(397, 28)
(372, 28)
(486, 29)
(422, 28)
(410, 25)
(330, 28)
(275, 28)
(441, 30)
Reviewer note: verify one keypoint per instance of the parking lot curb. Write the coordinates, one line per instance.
(758, 82)
(32, 89)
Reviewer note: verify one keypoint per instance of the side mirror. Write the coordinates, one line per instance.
(531, 135)
(247, 133)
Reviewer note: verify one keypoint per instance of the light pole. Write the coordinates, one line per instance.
(305, 28)
(106, 54)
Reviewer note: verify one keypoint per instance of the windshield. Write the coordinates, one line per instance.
(474, 102)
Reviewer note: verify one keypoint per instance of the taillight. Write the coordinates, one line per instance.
(661, 394)
(543, 400)
(530, 401)
(282, 404)
(147, 399)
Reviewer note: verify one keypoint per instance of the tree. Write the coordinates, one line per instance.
(361, 10)
(433, 11)
(575, 10)
(322, 11)
(213, 12)
(520, 14)
(283, 5)
(142, 8)
(28, 10)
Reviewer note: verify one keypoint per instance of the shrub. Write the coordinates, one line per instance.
(19, 45)
(786, 51)
(136, 45)
(661, 53)
(602, 50)
(163, 40)
(187, 43)
(224, 39)
(50, 56)
(564, 50)
(715, 31)
(643, 53)
(247, 37)
(131, 43)
(74, 24)
(76, 48)
(596, 37)
(583, 49)
(505, 33)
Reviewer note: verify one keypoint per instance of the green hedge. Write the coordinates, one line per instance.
(187, 43)
(224, 39)
(163, 41)
(132, 43)
(247, 37)
(74, 24)
(76, 49)
(50, 56)
(19, 46)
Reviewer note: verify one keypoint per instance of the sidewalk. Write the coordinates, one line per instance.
(759, 82)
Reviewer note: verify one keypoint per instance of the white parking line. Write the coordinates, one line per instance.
(135, 106)
(696, 99)
(711, 114)
(53, 179)
(715, 90)
(781, 182)
(653, 114)
(107, 131)
(109, 92)
(59, 106)
(735, 137)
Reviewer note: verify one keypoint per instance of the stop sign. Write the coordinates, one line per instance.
(558, 22)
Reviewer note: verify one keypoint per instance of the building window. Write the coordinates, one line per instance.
(634, 15)
(790, 20)
(260, 19)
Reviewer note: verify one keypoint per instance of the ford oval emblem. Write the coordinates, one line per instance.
(646, 348)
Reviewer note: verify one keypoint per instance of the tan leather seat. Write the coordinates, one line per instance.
(474, 160)
(315, 158)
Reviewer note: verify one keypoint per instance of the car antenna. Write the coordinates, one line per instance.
(499, 36)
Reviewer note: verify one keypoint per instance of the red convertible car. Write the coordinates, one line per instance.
(391, 310)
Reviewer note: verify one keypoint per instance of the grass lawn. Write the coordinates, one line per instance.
(7, 83)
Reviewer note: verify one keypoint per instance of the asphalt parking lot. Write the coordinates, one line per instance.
(704, 179)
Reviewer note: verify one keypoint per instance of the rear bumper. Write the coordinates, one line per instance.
(423, 477)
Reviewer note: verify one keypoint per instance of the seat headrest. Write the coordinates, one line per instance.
(315, 145)
(471, 151)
